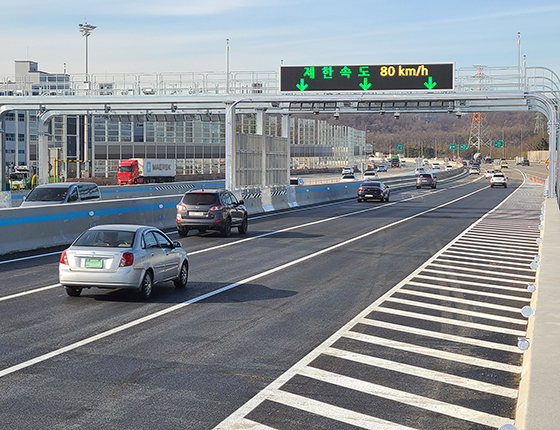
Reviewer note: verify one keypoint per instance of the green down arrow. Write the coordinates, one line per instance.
(302, 85)
(430, 84)
(365, 85)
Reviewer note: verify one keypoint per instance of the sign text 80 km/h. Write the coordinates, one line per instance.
(397, 77)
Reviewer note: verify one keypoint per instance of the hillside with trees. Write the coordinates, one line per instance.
(428, 134)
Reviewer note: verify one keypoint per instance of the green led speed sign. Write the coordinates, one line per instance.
(366, 78)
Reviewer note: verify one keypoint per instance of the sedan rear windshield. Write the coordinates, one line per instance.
(371, 184)
(200, 199)
(111, 238)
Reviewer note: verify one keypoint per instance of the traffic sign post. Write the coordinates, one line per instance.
(368, 78)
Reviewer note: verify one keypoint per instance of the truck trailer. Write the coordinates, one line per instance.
(146, 170)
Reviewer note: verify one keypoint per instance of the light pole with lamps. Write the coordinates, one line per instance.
(86, 30)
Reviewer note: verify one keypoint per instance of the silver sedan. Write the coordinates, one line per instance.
(122, 256)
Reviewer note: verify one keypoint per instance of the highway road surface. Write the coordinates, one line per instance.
(347, 315)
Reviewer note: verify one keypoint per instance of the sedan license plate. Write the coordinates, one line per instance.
(196, 213)
(369, 195)
(95, 263)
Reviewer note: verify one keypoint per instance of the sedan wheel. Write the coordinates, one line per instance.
(146, 287)
(181, 281)
(73, 292)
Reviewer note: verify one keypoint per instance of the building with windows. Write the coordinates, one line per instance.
(92, 145)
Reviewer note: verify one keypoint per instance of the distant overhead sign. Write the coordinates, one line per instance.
(367, 78)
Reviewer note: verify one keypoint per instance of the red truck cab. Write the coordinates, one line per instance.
(128, 173)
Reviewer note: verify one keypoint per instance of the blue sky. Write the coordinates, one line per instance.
(138, 36)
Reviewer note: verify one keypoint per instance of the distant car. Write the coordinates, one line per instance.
(448, 168)
(435, 165)
(419, 170)
(373, 191)
(211, 209)
(347, 171)
(525, 163)
(426, 180)
(382, 168)
(122, 256)
(498, 180)
(474, 171)
(403, 163)
(296, 181)
(504, 165)
(488, 174)
(348, 178)
(62, 192)
(370, 175)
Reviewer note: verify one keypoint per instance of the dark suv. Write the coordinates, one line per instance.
(211, 210)
(425, 180)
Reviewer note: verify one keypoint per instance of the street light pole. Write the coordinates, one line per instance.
(86, 30)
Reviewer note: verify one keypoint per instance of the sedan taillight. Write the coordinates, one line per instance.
(127, 259)
(63, 258)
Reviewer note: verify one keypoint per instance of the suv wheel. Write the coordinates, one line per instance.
(226, 231)
(183, 231)
(244, 225)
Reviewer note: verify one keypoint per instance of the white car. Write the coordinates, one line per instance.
(498, 180)
(348, 178)
(347, 171)
(474, 171)
(122, 256)
(448, 168)
(419, 170)
(370, 175)
(488, 174)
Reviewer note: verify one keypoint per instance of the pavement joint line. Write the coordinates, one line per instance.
(425, 403)
(432, 352)
(466, 275)
(445, 336)
(462, 301)
(451, 321)
(446, 378)
(487, 259)
(485, 251)
(470, 269)
(525, 243)
(524, 247)
(471, 292)
(459, 311)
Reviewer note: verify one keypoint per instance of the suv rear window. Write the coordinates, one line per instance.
(200, 199)
(425, 175)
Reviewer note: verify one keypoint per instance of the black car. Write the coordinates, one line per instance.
(211, 210)
(426, 180)
(373, 191)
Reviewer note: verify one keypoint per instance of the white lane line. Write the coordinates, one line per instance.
(479, 277)
(497, 248)
(489, 306)
(435, 353)
(31, 257)
(442, 336)
(464, 289)
(25, 293)
(508, 238)
(422, 372)
(492, 272)
(460, 311)
(501, 245)
(246, 424)
(481, 263)
(450, 321)
(178, 306)
(489, 256)
(425, 403)
(328, 410)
